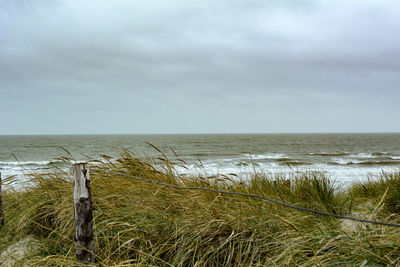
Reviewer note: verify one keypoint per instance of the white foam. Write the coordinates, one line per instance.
(20, 163)
(20, 169)
(364, 156)
(341, 174)
(243, 168)
(345, 161)
(268, 156)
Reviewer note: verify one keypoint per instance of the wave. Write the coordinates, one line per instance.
(366, 163)
(285, 159)
(269, 156)
(30, 163)
(40, 146)
(200, 155)
(361, 155)
(375, 155)
(379, 154)
(295, 163)
(329, 154)
(380, 163)
(343, 162)
(364, 156)
(245, 164)
(242, 164)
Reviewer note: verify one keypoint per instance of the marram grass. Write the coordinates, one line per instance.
(144, 224)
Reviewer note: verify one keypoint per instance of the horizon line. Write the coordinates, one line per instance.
(205, 133)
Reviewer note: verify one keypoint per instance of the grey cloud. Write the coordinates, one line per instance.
(291, 64)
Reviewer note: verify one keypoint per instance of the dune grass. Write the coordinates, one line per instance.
(144, 224)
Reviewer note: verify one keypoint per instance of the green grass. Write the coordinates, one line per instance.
(144, 224)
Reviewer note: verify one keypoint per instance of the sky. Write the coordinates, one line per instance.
(227, 66)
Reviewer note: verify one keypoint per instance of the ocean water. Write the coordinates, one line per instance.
(343, 157)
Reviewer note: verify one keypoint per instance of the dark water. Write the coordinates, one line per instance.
(344, 157)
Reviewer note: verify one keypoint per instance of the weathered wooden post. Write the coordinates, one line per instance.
(83, 214)
(1, 206)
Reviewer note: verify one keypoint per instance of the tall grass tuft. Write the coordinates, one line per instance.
(144, 224)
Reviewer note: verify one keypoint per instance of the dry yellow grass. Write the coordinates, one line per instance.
(144, 224)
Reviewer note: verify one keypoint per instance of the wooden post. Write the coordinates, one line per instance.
(1, 206)
(83, 214)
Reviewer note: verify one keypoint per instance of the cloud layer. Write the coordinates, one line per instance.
(122, 66)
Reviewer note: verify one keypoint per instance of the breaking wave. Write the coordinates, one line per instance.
(31, 163)
(327, 154)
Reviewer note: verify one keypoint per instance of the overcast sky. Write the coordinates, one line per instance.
(209, 66)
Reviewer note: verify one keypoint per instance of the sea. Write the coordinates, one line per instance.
(344, 158)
